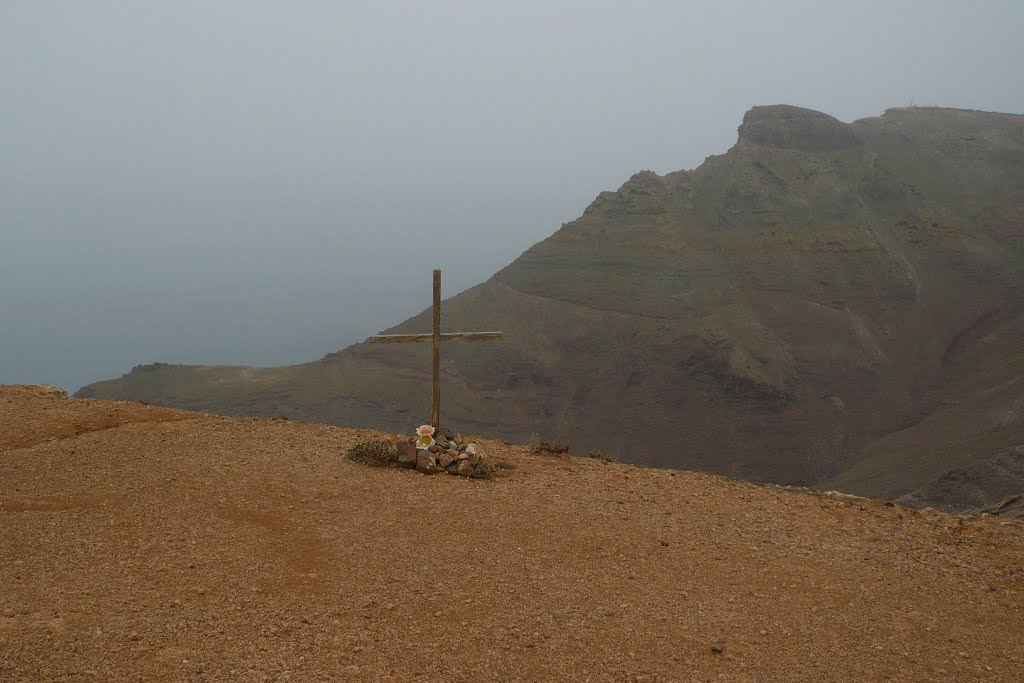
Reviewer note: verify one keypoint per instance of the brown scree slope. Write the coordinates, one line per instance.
(823, 300)
(174, 546)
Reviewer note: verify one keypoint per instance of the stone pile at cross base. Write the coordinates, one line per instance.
(450, 453)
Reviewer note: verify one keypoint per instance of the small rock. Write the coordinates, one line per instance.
(425, 462)
(465, 468)
(434, 448)
(717, 648)
(462, 456)
(453, 468)
(444, 460)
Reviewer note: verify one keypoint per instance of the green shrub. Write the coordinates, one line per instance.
(374, 454)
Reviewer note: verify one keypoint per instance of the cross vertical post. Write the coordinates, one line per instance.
(436, 337)
(435, 403)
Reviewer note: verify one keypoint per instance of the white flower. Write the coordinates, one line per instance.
(424, 430)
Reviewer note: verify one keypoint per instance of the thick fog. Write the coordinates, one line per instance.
(265, 182)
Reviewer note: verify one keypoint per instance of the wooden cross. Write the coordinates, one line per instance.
(437, 338)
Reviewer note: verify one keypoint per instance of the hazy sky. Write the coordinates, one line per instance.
(265, 182)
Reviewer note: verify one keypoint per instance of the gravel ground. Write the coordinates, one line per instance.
(140, 543)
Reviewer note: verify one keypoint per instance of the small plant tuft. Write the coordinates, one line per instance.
(485, 469)
(557, 448)
(377, 453)
(598, 455)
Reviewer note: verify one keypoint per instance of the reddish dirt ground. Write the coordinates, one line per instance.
(140, 543)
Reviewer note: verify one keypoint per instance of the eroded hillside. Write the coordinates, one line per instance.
(814, 301)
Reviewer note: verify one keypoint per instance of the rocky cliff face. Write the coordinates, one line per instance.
(784, 312)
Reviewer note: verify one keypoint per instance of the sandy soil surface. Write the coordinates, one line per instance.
(146, 544)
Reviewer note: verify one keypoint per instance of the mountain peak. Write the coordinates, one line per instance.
(787, 127)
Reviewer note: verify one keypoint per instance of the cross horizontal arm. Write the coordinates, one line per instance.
(445, 336)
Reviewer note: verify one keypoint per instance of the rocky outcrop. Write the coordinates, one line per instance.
(787, 127)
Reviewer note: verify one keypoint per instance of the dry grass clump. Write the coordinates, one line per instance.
(484, 469)
(556, 448)
(376, 453)
(598, 455)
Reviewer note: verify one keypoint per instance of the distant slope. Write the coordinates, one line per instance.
(947, 453)
(783, 312)
(977, 486)
(227, 549)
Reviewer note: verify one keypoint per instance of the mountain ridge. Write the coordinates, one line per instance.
(769, 315)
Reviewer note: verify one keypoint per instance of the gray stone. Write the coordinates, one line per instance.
(444, 459)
